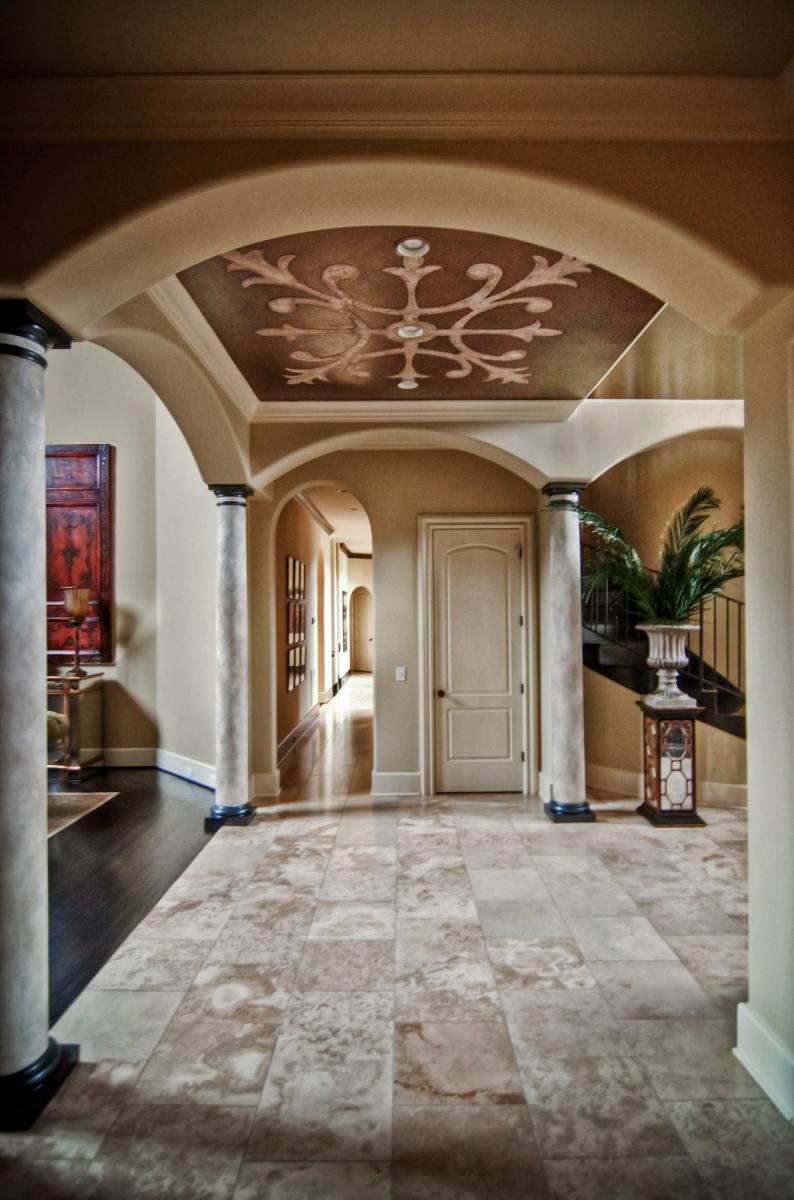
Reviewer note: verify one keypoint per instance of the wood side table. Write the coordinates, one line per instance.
(79, 697)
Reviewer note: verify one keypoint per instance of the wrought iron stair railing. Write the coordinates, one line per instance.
(715, 674)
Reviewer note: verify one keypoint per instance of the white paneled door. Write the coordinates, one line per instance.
(477, 639)
(363, 634)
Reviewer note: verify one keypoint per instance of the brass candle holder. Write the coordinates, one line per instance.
(75, 602)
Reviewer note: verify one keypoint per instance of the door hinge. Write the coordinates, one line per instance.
(521, 620)
(522, 689)
(523, 756)
(520, 550)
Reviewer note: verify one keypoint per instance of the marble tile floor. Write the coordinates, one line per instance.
(356, 997)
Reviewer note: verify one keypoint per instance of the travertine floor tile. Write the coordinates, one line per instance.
(594, 1108)
(215, 1062)
(179, 1151)
(520, 883)
(714, 958)
(339, 1112)
(743, 1148)
(73, 1125)
(457, 991)
(690, 1059)
(437, 1062)
(483, 1152)
(618, 939)
(143, 965)
(563, 1024)
(651, 989)
(358, 965)
(625, 1179)
(313, 1181)
(123, 1025)
(546, 963)
(521, 919)
(243, 992)
(27, 1179)
(342, 920)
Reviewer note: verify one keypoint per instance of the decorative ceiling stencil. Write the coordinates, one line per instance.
(384, 312)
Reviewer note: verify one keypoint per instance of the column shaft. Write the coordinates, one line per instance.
(564, 638)
(232, 799)
(32, 1066)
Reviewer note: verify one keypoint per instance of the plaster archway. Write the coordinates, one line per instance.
(701, 280)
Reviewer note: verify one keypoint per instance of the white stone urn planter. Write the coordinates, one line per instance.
(668, 654)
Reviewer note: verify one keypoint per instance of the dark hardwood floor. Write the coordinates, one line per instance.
(109, 869)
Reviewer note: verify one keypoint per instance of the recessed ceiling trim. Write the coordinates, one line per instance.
(182, 312)
(395, 104)
(345, 411)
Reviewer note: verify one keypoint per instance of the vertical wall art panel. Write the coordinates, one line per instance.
(80, 548)
(296, 622)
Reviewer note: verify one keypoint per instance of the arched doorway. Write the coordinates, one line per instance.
(362, 630)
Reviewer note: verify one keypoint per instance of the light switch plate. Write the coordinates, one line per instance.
(399, 674)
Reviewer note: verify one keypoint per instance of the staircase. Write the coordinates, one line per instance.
(715, 674)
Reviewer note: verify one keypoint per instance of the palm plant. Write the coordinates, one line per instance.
(693, 564)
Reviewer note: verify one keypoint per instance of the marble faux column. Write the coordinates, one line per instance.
(32, 1065)
(563, 639)
(232, 789)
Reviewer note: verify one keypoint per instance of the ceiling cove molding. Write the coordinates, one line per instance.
(375, 411)
(398, 105)
(314, 512)
(179, 309)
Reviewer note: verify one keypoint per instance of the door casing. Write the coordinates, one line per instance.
(524, 525)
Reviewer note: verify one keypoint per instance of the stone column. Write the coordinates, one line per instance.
(562, 640)
(32, 1065)
(232, 799)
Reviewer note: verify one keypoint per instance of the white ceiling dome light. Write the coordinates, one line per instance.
(412, 247)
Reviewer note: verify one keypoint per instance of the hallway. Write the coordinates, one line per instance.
(357, 997)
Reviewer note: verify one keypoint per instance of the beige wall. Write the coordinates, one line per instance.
(613, 747)
(639, 495)
(186, 577)
(394, 487)
(299, 535)
(160, 691)
(92, 396)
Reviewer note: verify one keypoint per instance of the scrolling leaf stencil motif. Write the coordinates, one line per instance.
(364, 327)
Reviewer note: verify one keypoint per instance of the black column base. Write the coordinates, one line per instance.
(562, 814)
(243, 814)
(675, 820)
(25, 1094)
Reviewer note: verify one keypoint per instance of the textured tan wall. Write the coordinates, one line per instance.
(186, 567)
(92, 396)
(639, 495)
(394, 486)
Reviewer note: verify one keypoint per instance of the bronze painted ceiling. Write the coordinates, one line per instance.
(386, 313)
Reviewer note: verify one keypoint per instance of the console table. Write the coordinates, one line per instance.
(79, 697)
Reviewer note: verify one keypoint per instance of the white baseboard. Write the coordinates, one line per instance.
(722, 795)
(164, 760)
(629, 783)
(130, 756)
(324, 697)
(771, 1064)
(613, 779)
(396, 783)
(266, 783)
(186, 768)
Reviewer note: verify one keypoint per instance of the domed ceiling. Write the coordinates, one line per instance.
(388, 313)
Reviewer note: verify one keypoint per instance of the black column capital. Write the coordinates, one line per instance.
(563, 489)
(27, 332)
(231, 492)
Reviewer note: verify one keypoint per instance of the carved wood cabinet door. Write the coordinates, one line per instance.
(79, 549)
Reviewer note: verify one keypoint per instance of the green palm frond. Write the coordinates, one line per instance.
(693, 564)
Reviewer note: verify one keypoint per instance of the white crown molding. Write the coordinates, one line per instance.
(293, 412)
(397, 105)
(181, 311)
(314, 513)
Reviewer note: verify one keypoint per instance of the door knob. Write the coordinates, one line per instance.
(441, 693)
